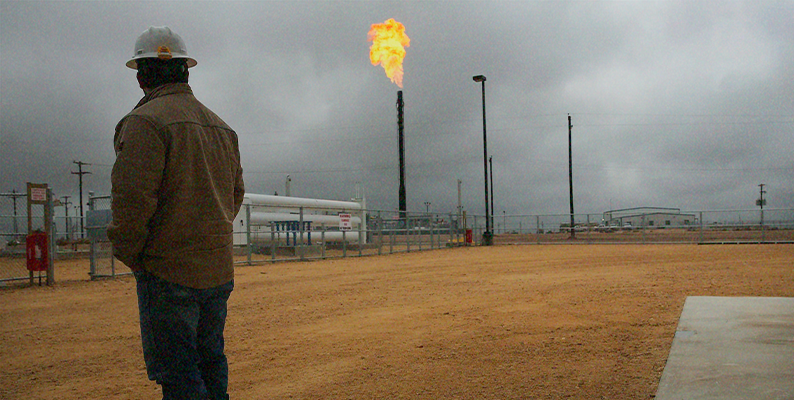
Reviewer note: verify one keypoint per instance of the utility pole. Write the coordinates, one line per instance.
(460, 203)
(287, 185)
(80, 174)
(14, 196)
(761, 202)
(570, 174)
(66, 204)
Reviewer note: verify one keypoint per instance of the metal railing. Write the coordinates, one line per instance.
(306, 235)
(651, 226)
(102, 262)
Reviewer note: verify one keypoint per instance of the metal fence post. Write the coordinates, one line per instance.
(50, 210)
(439, 229)
(763, 227)
(407, 233)
(430, 226)
(361, 234)
(450, 229)
(391, 240)
(322, 238)
(380, 233)
(299, 246)
(701, 227)
(92, 246)
(642, 226)
(273, 245)
(248, 245)
(419, 234)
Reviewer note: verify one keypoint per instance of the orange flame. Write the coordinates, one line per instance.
(388, 48)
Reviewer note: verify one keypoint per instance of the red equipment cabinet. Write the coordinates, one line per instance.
(37, 247)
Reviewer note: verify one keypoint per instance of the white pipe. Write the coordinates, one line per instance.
(317, 236)
(284, 201)
(261, 218)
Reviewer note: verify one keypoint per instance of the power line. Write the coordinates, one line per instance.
(370, 132)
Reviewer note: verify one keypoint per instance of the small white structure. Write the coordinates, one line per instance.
(266, 218)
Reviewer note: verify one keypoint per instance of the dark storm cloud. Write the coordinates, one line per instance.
(674, 104)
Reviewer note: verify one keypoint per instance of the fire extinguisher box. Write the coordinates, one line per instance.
(37, 251)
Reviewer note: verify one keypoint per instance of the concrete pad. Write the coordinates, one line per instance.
(732, 348)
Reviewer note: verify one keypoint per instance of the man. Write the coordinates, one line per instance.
(177, 186)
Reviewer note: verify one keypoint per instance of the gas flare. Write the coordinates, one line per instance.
(388, 48)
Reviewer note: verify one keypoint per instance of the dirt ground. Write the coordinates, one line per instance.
(505, 322)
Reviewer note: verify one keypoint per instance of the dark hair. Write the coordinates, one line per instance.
(154, 72)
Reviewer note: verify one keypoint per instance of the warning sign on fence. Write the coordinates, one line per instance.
(344, 222)
(37, 193)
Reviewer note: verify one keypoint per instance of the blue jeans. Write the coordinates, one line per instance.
(182, 337)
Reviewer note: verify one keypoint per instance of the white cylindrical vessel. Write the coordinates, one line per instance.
(260, 211)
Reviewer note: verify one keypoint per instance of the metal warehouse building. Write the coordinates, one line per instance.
(652, 217)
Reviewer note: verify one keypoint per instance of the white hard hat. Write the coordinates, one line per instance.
(159, 42)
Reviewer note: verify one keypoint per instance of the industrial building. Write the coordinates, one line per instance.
(651, 217)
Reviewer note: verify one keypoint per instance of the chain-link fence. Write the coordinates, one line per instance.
(67, 227)
(18, 221)
(647, 225)
(102, 262)
(274, 232)
(395, 232)
(271, 233)
(13, 231)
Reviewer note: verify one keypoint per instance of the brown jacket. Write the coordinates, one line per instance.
(177, 186)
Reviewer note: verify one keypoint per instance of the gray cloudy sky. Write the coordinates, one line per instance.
(686, 104)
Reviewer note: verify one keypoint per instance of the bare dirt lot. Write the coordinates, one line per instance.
(505, 322)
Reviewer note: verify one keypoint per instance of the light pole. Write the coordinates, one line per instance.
(570, 176)
(427, 207)
(487, 236)
(490, 172)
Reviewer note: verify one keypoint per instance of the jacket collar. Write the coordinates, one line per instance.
(165, 90)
